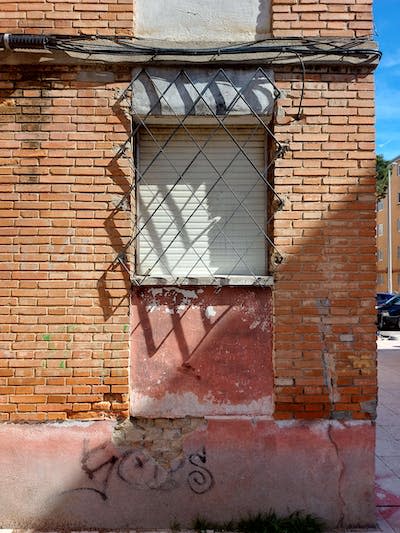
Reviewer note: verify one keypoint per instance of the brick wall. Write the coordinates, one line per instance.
(106, 17)
(322, 18)
(64, 325)
(64, 334)
(324, 292)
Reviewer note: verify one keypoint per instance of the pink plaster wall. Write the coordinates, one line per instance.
(201, 351)
(67, 476)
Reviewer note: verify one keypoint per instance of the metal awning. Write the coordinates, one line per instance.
(203, 91)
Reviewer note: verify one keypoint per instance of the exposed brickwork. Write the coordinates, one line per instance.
(324, 292)
(108, 17)
(64, 333)
(323, 18)
(162, 438)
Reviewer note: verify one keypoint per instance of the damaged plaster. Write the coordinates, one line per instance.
(160, 438)
(206, 21)
(188, 403)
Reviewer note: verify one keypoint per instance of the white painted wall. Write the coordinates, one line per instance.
(204, 21)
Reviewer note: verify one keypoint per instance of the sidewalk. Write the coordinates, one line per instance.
(388, 432)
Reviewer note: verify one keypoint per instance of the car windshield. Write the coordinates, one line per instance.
(395, 300)
(383, 297)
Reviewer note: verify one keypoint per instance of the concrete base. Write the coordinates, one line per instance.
(78, 475)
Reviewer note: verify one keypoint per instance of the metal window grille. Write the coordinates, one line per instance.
(173, 241)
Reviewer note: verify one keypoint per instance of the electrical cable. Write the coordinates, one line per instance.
(96, 44)
(303, 68)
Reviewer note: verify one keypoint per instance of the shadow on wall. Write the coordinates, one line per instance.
(111, 296)
(201, 351)
(263, 28)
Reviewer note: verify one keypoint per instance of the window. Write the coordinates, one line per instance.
(379, 255)
(398, 224)
(379, 230)
(380, 205)
(202, 157)
(398, 252)
(398, 169)
(398, 197)
(379, 278)
(213, 221)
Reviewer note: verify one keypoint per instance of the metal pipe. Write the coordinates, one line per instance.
(389, 231)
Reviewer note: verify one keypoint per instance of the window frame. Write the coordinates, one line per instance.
(265, 279)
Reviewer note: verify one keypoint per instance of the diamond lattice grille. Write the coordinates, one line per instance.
(202, 182)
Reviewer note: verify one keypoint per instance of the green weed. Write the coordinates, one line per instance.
(296, 522)
(175, 526)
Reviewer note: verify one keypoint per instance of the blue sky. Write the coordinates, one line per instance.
(387, 76)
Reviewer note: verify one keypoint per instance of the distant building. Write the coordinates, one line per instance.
(388, 242)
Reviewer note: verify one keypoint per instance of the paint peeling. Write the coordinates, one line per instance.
(156, 291)
(182, 297)
(189, 404)
(210, 311)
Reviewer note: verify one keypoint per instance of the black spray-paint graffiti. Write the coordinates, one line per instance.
(104, 465)
(200, 480)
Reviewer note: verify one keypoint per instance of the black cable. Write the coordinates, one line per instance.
(95, 44)
(367, 54)
(303, 68)
(99, 48)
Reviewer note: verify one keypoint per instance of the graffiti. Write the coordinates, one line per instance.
(105, 465)
(201, 479)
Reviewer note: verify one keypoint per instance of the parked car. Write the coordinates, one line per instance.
(382, 297)
(389, 313)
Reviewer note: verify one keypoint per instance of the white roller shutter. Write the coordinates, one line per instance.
(198, 228)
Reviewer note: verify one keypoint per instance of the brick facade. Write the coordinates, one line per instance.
(106, 17)
(305, 18)
(65, 306)
(324, 293)
(64, 319)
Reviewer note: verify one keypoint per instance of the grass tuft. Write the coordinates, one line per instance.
(296, 522)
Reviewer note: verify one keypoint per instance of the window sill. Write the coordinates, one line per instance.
(218, 281)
